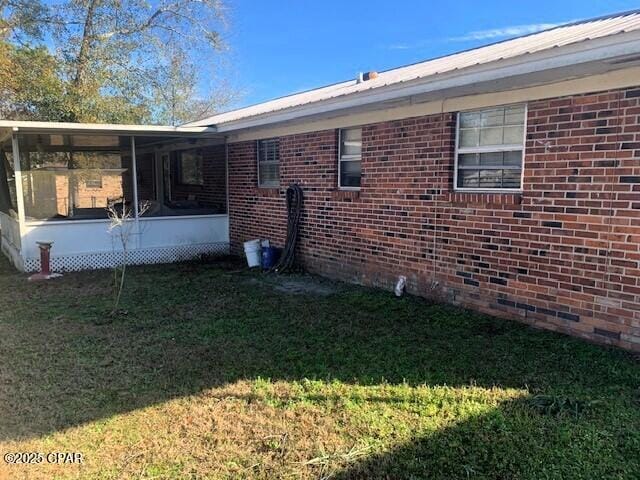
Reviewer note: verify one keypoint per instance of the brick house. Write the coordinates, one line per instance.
(505, 178)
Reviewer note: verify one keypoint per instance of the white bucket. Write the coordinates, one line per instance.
(253, 250)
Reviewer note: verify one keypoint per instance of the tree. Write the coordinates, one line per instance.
(117, 61)
(30, 85)
(22, 19)
(119, 55)
(175, 92)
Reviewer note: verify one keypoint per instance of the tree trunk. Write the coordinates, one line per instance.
(82, 59)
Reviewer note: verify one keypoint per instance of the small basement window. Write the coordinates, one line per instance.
(269, 163)
(490, 149)
(350, 159)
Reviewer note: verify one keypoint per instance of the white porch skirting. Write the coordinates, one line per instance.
(91, 261)
(91, 244)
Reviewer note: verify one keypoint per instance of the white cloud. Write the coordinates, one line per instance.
(511, 31)
(479, 35)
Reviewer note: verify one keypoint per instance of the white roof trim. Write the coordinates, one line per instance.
(107, 128)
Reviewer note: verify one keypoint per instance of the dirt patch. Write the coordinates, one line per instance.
(298, 284)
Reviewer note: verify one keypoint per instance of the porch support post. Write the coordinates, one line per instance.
(15, 147)
(226, 172)
(134, 173)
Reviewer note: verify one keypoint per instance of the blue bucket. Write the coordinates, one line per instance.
(270, 256)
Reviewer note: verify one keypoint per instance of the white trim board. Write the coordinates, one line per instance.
(595, 83)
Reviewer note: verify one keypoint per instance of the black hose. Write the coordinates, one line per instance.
(294, 213)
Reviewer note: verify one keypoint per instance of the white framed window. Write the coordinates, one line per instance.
(349, 158)
(490, 149)
(269, 163)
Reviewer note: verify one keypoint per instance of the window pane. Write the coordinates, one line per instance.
(490, 178)
(469, 119)
(351, 141)
(511, 178)
(350, 174)
(468, 159)
(491, 159)
(514, 115)
(498, 126)
(492, 118)
(513, 158)
(468, 137)
(468, 178)
(513, 135)
(269, 174)
(269, 163)
(491, 136)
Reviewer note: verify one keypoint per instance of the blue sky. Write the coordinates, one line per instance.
(280, 47)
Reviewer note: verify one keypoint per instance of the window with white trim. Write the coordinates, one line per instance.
(350, 158)
(269, 163)
(490, 148)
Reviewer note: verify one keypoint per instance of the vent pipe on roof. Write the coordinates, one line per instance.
(363, 77)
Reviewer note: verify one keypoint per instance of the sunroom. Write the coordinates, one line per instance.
(62, 183)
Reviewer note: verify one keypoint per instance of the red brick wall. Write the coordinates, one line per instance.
(564, 255)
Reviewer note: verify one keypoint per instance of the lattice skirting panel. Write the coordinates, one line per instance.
(92, 261)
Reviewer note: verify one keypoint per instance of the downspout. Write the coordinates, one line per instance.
(434, 256)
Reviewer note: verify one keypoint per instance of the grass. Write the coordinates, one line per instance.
(213, 373)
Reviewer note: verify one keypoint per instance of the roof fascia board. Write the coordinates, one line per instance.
(79, 128)
(595, 50)
(621, 78)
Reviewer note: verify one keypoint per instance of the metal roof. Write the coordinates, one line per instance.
(518, 47)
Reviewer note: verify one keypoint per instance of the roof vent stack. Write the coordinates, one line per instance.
(364, 77)
(370, 76)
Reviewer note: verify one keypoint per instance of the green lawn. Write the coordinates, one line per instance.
(214, 372)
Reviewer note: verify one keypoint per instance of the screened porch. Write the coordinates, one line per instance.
(58, 183)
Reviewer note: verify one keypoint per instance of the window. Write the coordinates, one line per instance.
(190, 168)
(268, 163)
(350, 158)
(490, 149)
(93, 181)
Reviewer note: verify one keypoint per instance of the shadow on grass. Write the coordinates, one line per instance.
(193, 327)
(517, 440)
